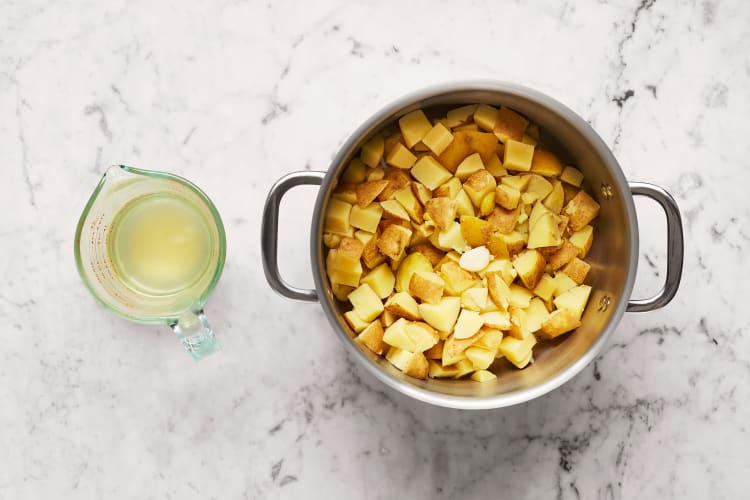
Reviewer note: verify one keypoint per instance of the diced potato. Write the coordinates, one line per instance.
(366, 218)
(368, 191)
(495, 167)
(451, 238)
(346, 192)
(355, 172)
(478, 185)
(421, 192)
(581, 209)
(430, 173)
(563, 283)
(487, 205)
(337, 217)
(517, 156)
(414, 126)
(529, 265)
(442, 210)
(468, 324)
(572, 176)
(456, 279)
(577, 270)
(372, 151)
(474, 230)
(474, 299)
(503, 219)
(381, 280)
(491, 338)
(375, 174)
(504, 267)
(517, 182)
(565, 254)
(438, 138)
(387, 319)
(366, 302)
(537, 211)
(520, 296)
(475, 259)
(403, 305)
(433, 254)
(413, 364)
(450, 189)
(483, 376)
(443, 315)
(400, 157)
(437, 370)
(463, 367)
(554, 200)
(485, 116)
(458, 116)
(341, 292)
(545, 232)
(423, 335)
(466, 142)
(517, 351)
(498, 290)
(470, 164)
(426, 286)
(514, 242)
(469, 126)
(536, 314)
(371, 255)
(410, 203)
(355, 321)
(480, 358)
(559, 322)
(396, 335)
(545, 288)
(398, 180)
(453, 349)
(539, 186)
(414, 262)
(545, 163)
(394, 209)
(574, 299)
(464, 205)
(583, 239)
(341, 270)
(394, 240)
(509, 125)
(507, 197)
(372, 337)
(436, 351)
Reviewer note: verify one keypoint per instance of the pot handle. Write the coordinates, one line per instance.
(675, 247)
(269, 237)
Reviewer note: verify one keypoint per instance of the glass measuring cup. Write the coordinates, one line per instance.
(135, 233)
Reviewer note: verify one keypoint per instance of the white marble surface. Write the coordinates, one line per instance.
(235, 94)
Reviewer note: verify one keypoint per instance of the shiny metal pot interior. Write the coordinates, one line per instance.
(613, 257)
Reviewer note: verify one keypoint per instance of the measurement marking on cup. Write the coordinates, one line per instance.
(606, 191)
(604, 303)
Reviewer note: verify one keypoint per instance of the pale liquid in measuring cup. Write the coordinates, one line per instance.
(160, 244)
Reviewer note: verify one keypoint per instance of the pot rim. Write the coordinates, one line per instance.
(401, 105)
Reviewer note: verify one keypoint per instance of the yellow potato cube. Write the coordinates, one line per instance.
(414, 126)
(467, 325)
(529, 265)
(375, 174)
(413, 263)
(498, 290)
(517, 156)
(372, 151)
(473, 127)
(480, 358)
(437, 370)
(563, 283)
(340, 270)
(577, 270)
(454, 349)
(341, 291)
(572, 176)
(495, 167)
(427, 286)
(545, 232)
(474, 299)
(475, 231)
(436, 351)
(355, 321)
(559, 322)
(490, 339)
(488, 204)
(470, 164)
(397, 179)
(502, 266)
(456, 279)
(537, 211)
(450, 189)
(403, 305)
(410, 203)
(518, 182)
(574, 299)
(430, 173)
(464, 367)
(424, 336)
(381, 280)
(467, 142)
(478, 185)
(368, 191)
(396, 336)
(545, 163)
(337, 217)
(372, 337)
(483, 376)
(400, 157)
(394, 210)
(536, 314)
(442, 210)
(366, 218)
(517, 351)
(507, 196)
(520, 296)
(583, 239)
(458, 116)
(443, 315)
(545, 288)
(464, 205)
(509, 125)
(582, 209)
(394, 241)
(355, 172)
(539, 186)
(485, 116)
(346, 192)
(554, 200)
(438, 138)
(452, 238)
(499, 320)
(366, 302)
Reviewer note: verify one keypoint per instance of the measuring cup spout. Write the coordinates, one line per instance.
(195, 334)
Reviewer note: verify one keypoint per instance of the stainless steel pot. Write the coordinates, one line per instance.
(613, 257)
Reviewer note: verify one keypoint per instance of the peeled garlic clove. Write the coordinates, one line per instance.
(475, 259)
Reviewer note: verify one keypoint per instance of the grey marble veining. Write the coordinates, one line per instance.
(233, 95)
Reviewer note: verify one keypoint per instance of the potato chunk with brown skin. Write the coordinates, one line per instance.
(398, 180)
(466, 142)
(372, 337)
(530, 267)
(503, 220)
(565, 254)
(367, 192)
(394, 240)
(442, 210)
(427, 286)
(559, 322)
(509, 125)
(577, 270)
(581, 209)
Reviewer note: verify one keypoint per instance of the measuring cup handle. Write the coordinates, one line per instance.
(270, 233)
(195, 334)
